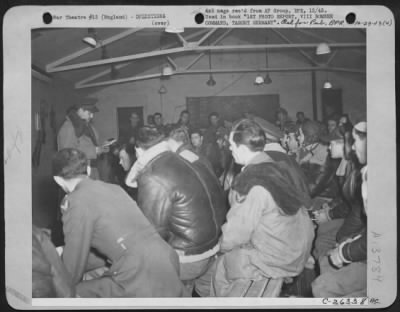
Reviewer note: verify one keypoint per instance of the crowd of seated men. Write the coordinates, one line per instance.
(184, 212)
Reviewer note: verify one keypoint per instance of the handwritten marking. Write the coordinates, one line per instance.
(350, 301)
(16, 142)
(376, 267)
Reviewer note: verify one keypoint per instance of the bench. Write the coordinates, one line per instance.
(266, 287)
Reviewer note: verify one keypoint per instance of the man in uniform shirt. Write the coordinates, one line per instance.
(102, 224)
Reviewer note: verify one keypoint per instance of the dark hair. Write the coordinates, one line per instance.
(157, 114)
(184, 112)
(249, 133)
(312, 132)
(148, 136)
(348, 143)
(69, 163)
(213, 114)
(334, 117)
(299, 113)
(179, 134)
(196, 131)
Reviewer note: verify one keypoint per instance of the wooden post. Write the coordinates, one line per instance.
(314, 94)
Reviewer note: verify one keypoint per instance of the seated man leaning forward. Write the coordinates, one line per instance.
(268, 232)
(183, 200)
(102, 218)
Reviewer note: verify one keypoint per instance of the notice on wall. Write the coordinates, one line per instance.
(170, 55)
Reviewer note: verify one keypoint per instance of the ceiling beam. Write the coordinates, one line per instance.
(172, 63)
(195, 49)
(198, 71)
(90, 49)
(302, 52)
(183, 40)
(197, 58)
(119, 66)
(346, 70)
(206, 36)
(315, 36)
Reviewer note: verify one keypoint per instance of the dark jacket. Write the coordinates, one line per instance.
(183, 200)
(211, 152)
(101, 217)
(355, 223)
(50, 278)
(350, 193)
(322, 178)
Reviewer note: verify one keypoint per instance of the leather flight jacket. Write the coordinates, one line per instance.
(184, 201)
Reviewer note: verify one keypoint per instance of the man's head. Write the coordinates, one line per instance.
(309, 132)
(360, 141)
(148, 136)
(300, 116)
(246, 139)
(158, 119)
(344, 119)
(150, 119)
(177, 137)
(134, 119)
(69, 165)
(332, 123)
(196, 137)
(213, 119)
(126, 155)
(184, 117)
(336, 148)
(86, 108)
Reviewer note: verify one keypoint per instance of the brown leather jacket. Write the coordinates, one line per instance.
(184, 200)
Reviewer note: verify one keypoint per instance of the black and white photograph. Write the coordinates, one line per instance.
(202, 162)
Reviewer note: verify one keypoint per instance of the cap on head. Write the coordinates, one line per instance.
(361, 126)
(88, 104)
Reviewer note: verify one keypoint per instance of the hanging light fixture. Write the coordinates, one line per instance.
(174, 29)
(210, 82)
(323, 48)
(91, 38)
(259, 79)
(162, 90)
(167, 71)
(267, 79)
(327, 83)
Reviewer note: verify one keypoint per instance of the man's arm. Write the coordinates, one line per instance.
(243, 217)
(78, 226)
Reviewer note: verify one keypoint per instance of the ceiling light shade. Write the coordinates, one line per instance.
(267, 79)
(90, 41)
(91, 38)
(323, 48)
(211, 82)
(327, 85)
(259, 80)
(162, 90)
(167, 71)
(174, 30)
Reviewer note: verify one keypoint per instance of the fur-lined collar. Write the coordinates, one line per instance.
(143, 160)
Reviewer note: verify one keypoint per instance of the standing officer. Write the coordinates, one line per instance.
(78, 132)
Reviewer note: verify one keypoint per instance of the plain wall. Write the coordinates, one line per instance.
(44, 190)
(294, 88)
